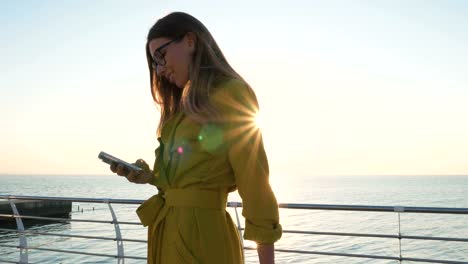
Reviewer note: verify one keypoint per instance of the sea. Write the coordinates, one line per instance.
(378, 190)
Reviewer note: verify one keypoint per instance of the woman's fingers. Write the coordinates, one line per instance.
(142, 164)
(139, 177)
(117, 168)
(113, 167)
(132, 176)
(121, 170)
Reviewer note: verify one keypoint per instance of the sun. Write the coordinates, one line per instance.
(259, 120)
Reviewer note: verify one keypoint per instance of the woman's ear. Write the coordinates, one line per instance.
(191, 39)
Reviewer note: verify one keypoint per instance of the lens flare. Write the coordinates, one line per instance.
(244, 121)
(259, 120)
(180, 150)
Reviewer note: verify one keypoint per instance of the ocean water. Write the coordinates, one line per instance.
(433, 191)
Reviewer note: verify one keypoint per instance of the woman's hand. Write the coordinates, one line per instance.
(140, 177)
(266, 253)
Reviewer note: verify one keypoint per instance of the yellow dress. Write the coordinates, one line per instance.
(196, 166)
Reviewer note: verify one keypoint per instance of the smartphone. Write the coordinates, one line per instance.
(109, 159)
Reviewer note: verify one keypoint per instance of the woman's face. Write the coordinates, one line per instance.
(177, 56)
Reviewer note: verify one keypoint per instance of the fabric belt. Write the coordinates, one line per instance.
(195, 198)
(153, 210)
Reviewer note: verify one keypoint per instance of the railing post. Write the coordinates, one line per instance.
(239, 229)
(398, 210)
(23, 244)
(399, 235)
(118, 235)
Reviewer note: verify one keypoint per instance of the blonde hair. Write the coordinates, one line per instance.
(208, 68)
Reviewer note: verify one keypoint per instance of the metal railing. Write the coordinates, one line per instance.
(23, 247)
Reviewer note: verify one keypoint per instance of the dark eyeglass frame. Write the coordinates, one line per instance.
(158, 56)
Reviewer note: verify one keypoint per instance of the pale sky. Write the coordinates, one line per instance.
(345, 87)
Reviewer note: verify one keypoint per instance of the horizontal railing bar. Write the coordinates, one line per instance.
(364, 256)
(453, 239)
(409, 209)
(127, 223)
(65, 219)
(434, 260)
(71, 199)
(77, 236)
(9, 261)
(9, 246)
(373, 235)
(252, 248)
(401, 209)
(330, 253)
(369, 208)
(54, 219)
(339, 234)
(74, 252)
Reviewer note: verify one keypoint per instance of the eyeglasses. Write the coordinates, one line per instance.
(158, 57)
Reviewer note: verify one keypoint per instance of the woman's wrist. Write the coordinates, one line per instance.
(266, 253)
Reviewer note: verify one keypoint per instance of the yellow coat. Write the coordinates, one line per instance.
(196, 166)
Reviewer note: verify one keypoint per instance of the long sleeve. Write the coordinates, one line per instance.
(247, 157)
(157, 163)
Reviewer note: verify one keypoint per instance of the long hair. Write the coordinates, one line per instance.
(207, 68)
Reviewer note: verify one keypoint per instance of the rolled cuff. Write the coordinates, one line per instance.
(261, 234)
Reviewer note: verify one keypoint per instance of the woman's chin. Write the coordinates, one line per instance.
(182, 85)
(178, 85)
(175, 83)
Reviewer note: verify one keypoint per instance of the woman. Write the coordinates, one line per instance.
(209, 146)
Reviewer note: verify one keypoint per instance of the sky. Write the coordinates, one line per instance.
(345, 87)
